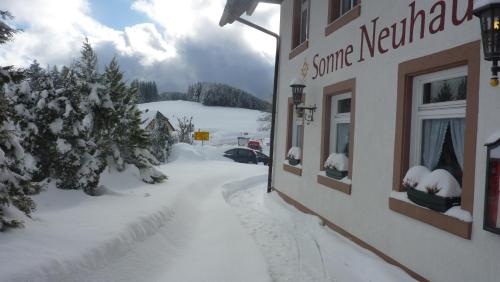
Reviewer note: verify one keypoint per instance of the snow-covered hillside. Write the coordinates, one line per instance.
(224, 124)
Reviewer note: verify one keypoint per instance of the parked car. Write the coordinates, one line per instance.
(254, 144)
(244, 155)
(262, 158)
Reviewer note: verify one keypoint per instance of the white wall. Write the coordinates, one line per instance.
(431, 252)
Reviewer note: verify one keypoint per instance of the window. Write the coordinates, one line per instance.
(338, 131)
(340, 13)
(304, 21)
(300, 27)
(347, 5)
(437, 109)
(297, 130)
(438, 121)
(340, 124)
(295, 135)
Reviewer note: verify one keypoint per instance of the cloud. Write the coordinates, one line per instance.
(182, 44)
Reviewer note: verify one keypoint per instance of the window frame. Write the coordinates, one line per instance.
(289, 138)
(464, 55)
(337, 118)
(336, 19)
(297, 45)
(438, 110)
(339, 89)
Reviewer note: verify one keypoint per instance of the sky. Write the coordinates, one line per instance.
(174, 43)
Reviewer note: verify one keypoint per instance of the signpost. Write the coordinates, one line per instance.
(202, 136)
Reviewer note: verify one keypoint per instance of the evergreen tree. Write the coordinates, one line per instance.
(69, 128)
(445, 94)
(98, 120)
(130, 143)
(462, 90)
(15, 187)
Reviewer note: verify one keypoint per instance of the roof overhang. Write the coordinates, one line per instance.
(236, 8)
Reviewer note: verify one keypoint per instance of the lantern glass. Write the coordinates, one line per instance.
(492, 199)
(297, 91)
(490, 29)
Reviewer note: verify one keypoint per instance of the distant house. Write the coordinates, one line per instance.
(152, 124)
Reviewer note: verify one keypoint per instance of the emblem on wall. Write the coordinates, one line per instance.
(305, 70)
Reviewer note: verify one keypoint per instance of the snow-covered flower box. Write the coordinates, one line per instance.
(437, 190)
(293, 156)
(336, 166)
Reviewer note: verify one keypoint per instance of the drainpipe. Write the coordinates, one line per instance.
(275, 94)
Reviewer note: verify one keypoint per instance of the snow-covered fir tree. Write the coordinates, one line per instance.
(136, 150)
(72, 141)
(129, 143)
(98, 109)
(15, 186)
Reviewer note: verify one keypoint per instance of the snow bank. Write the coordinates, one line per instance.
(442, 181)
(337, 161)
(415, 175)
(186, 152)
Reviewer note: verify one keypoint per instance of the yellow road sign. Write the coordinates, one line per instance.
(201, 136)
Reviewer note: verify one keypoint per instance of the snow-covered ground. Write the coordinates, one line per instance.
(211, 221)
(224, 124)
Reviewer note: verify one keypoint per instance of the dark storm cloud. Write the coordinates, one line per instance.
(215, 57)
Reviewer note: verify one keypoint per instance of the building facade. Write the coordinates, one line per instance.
(397, 84)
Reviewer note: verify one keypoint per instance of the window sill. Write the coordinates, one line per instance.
(292, 169)
(444, 222)
(299, 49)
(343, 20)
(334, 184)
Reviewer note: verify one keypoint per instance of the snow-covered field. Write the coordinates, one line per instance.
(224, 124)
(211, 221)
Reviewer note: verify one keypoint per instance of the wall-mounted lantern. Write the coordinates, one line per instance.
(491, 202)
(298, 96)
(488, 12)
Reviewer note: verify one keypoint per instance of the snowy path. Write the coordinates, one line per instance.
(203, 241)
(297, 247)
(211, 221)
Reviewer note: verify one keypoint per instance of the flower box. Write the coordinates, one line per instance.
(335, 174)
(432, 201)
(293, 162)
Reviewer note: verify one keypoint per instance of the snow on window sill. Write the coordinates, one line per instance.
(342, 185)
(455, 221)
(456, 212)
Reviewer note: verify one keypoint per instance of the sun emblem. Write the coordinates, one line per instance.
(305, 69)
